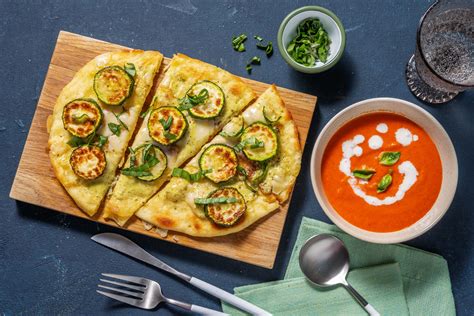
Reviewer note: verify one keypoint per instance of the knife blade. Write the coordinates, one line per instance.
(128, 247)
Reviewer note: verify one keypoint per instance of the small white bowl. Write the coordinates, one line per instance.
(331, 24)
(432, 127)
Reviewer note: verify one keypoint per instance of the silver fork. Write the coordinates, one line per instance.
(145, 293)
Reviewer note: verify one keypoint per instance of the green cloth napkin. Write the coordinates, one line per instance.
(425, 276)
(381, 286)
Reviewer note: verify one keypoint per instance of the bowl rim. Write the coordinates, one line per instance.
(297, 65)
(384, 237)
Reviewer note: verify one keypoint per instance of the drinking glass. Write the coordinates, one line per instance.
(443, 63)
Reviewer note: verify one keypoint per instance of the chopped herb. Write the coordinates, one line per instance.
(130, 69)
(248, 68)
(267, 48)
(242, 171)
(364, 174)
(238, 42)
(217, 200)
(255, 60)
(80, 118)
(253, 142)
(389, 158)
(117, 116)
(166, 124)
(258, 38)
(115, 128)
(191, 177)
(310, 44)
(102, 141)
(384, 183)
(190, 101)
(170, 136)
(142, 170)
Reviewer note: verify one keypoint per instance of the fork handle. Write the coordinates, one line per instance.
(228, 298)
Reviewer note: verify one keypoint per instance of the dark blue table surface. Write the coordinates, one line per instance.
(48, 264)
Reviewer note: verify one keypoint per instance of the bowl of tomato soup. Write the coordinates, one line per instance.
(384, 170)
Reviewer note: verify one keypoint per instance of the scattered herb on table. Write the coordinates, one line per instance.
(255, 60)
(310, 44)
(238, 42)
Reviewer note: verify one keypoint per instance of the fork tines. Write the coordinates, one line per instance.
(132, 291)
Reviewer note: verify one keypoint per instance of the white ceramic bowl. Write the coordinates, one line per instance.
(435, 131)
(331, 24)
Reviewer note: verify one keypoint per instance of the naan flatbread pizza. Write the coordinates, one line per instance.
(93, 120)
(242, 175)
(192, 104)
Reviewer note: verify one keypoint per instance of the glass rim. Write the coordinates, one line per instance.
(418, 43)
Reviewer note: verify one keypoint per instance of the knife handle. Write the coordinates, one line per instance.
(228, 298)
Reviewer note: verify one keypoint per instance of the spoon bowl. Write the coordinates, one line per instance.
(324, 260)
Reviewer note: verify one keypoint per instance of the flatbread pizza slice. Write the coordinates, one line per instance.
(245, 173)
(192, 103)
(93, 120)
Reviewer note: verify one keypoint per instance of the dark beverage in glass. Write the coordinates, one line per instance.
(443, 63)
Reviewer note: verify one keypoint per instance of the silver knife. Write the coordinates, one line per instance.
(128, 247)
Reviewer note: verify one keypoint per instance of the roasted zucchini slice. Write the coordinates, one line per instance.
(226, 214)
(167, 125)
(88, 162)
(141, 155)
(219, 161)
(212, 105)
(113, 85)
(259, 142)
(82, 117)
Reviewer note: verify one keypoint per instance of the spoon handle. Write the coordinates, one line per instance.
(369, 308)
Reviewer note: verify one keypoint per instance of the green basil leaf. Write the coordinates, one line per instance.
(242, 171)
(218, 200)
(190, 101)
(117, 116)
(102, 141)
(80, 118)
(190, 177)
(142, 170)
(130, 69)
(166, 124)
(389, 158)
(115, 128)
(364, 174)
(311, 43)
(384, 183)
(253, 142)
(76, 141)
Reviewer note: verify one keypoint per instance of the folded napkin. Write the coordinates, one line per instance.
(424, 276)
(380, 285)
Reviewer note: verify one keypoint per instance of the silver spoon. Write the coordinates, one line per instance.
(324, 261)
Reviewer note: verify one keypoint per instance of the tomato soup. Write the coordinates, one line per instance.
(381, 172)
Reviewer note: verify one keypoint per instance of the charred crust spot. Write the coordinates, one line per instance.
(166, 222)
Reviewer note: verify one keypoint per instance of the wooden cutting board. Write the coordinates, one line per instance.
(35, 182)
